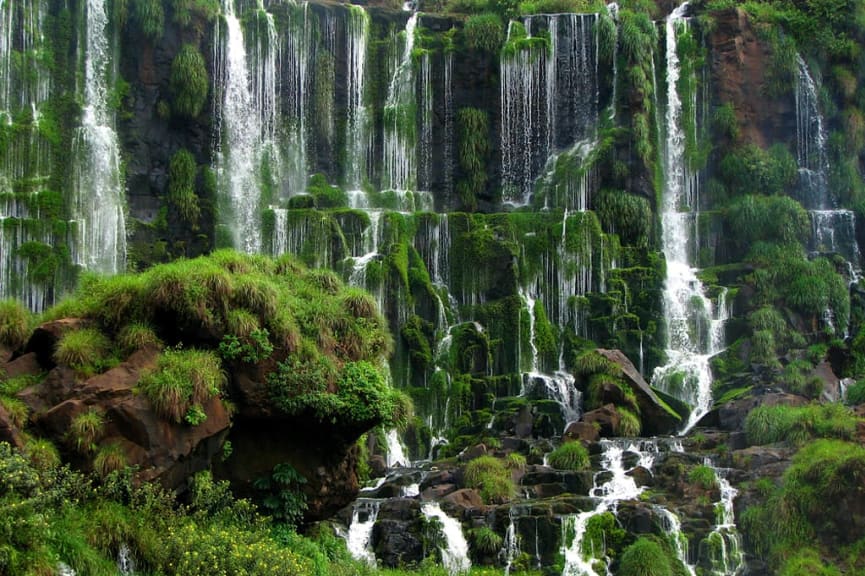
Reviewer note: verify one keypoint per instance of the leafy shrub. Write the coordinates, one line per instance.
(645, 557)
(569, 456)
(283, 497)
(807, 561)
(42, 453)
(85, 350)
(86, 429)
(778, 219)
(188, 82)
(490, 475)
(181, 379)
(484, 32)
(751, 170)
(630, 216)
(856, 393)
(187, 10)
(14, 324)
(181, 186)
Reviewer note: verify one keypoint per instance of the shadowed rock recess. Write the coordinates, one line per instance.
(460, 286)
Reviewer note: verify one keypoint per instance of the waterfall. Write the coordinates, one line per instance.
(449, 112)
(125, 561)
(549, 95)
(425, 143)
(299, 61)
(357, 124)
(359, 539)
(395, 453)
(694, 325)
(833, 229)
(400, 164)
(247, 114)
(726, 557)
(511, 544)
(97, 191)
(673, 527)
(26, 159)
(455, 552)
(612, 485)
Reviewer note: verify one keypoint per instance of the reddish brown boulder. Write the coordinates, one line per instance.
(606, 419)
(8, 431)
(460, 500)
(25, 365)
(585, 431)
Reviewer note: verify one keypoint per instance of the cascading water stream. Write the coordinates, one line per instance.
(694, 325)
(726, 557)
(395, 453)
(455, 552)
(357, 123)
(833, 229)
(612, 484)
(359, 538)
(97, 203)
(549, 96)
(400, 164)
(247, 113)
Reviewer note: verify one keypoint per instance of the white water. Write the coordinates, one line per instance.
(247, 112)
(619, 487)
(125, 561)
(549, 98)
(511, 544)
(833, 230)
(400, 164)
(359, 539)
(395, 453)
(97, 203)
(425, 142)
(673, 527)
(455, 553)
(730, 559)
(449, 112)
(357, 125)
(694, 324)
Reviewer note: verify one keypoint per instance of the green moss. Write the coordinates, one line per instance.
(797, 425)
(188, 82)
(484, 32)
(150, 17)
(491, 476)
(473, 154)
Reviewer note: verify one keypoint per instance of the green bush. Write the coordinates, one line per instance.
(856, 393)
(86, 350)
(181, 186)
(137, 336)
(188, 82)
(645, 557)
(14, 324)
(515, 461)
(491, 477)
(807, 561)
(778, 219)
(569, 456)
(484, 32)
(625, 214)
(181, 379)
(751, 170)
(187, 10)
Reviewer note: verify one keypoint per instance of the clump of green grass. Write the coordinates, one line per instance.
(86, 429)
(86, 350)
(798, 425)
(14, 324)
(110, 458)
(569, 456)
(491, 477)
(703, 476)
(181, 379)
(138, 336)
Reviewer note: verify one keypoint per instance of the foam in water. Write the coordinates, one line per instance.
(247, 112)
(511, 544)
(97, 203)
(455, 552)
(359, 538)
(694, 324)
